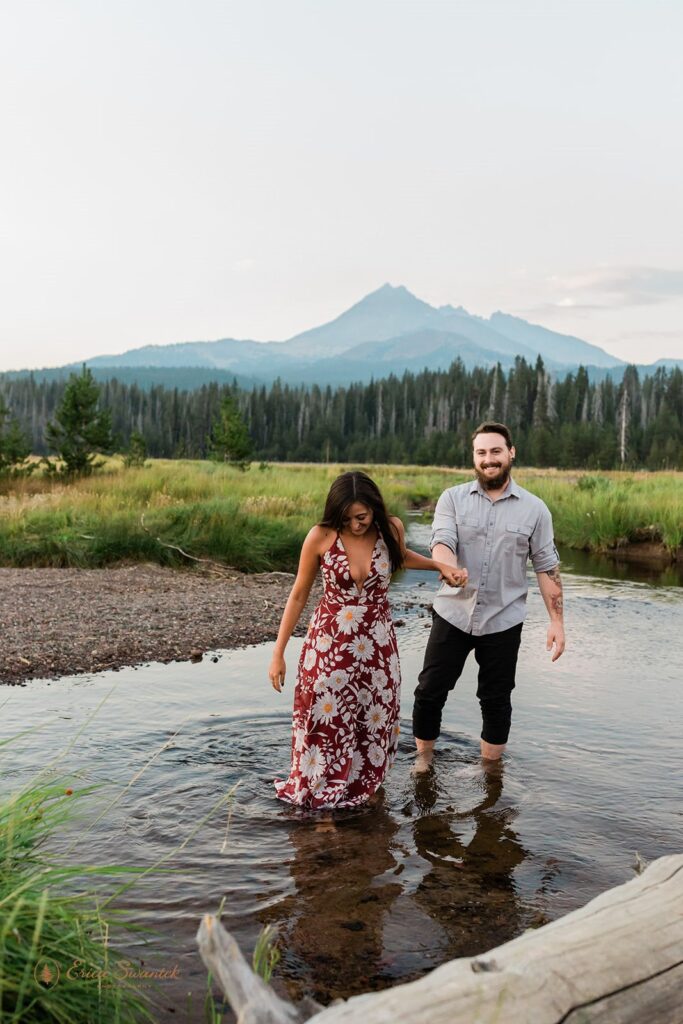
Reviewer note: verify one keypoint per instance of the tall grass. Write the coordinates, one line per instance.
(256, 521)
(613, 509)
(47, 929)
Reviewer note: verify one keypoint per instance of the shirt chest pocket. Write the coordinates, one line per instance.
(516, 553)
(468, 528)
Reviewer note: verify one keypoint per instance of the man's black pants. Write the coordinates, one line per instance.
(444, 660)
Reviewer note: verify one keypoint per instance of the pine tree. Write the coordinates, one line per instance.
(80, 430)
(229, 440)
(14, 448)
(137, 450)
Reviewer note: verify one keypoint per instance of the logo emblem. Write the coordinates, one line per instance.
(46, 972)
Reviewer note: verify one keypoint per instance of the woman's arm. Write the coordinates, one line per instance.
(309, 561)
(452, 575)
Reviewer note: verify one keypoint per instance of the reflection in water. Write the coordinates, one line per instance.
(470, 887)
(391, 891)
(331, 926)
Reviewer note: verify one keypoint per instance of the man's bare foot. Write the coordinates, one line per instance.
(492, 751)
(425, 756)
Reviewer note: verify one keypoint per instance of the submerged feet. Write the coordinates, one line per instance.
(425, 756)
(492, 751)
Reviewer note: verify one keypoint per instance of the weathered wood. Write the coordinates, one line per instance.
(252, 1000)
(618, 960)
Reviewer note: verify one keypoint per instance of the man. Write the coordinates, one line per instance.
(490, 527)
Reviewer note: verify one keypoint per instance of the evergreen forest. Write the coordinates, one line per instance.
(424, 418)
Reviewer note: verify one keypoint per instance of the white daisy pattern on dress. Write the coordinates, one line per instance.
(350, 618)
(376, 718)
(362, 647)
(381, 633)
(376, 754)
(337, 679)
(312, 763)
(325, 708)
(386, 696)
(379, 677)
(346, 699)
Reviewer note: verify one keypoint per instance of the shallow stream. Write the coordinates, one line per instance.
(446, 865)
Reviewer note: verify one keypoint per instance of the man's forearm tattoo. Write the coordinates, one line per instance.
(556, 602)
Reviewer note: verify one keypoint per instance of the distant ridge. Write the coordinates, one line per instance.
(388, 331)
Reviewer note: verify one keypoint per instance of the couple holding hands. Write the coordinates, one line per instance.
(347, 697)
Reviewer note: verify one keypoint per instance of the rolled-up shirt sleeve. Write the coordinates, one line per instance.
(444, 525)
(542, 548)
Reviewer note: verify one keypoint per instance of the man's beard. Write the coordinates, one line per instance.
(493, 483)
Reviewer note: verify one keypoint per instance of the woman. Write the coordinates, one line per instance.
(346, 702)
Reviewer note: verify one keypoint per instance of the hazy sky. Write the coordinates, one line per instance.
(192, 170)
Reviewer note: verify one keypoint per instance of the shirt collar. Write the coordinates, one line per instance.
(511, 491)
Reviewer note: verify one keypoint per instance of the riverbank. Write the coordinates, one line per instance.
(60, 622)
(171, 512)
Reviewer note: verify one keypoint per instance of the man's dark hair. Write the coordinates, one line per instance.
(494, 428)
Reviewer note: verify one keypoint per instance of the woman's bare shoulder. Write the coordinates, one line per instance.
(320, 538)
(397, 525)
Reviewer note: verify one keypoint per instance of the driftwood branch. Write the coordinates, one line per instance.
(252, 1000)
(219, 566)
(618, 960)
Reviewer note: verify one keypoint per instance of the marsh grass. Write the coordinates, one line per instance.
(256, 521)
(613, 509)
(49, 925)
(58, 916)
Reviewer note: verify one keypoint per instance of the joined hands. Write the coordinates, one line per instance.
(452, 575)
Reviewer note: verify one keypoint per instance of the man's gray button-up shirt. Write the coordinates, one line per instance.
(493, 540)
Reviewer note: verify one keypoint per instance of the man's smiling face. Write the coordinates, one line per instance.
(492, 460)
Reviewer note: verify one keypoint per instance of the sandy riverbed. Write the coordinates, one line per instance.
(56, 622)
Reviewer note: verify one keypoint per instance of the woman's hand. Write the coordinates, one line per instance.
(277, 671)
(452, 575)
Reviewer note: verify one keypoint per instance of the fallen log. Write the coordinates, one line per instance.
(618, 960)
(253, 1001)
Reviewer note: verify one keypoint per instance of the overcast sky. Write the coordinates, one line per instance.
(192, 170)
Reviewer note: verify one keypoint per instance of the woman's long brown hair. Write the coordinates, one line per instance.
(356, 486)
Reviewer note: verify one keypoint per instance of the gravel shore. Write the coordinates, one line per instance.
(56, 622)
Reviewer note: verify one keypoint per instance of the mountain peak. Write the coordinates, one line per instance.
(387, 312)
(389, 322)
(391, 292)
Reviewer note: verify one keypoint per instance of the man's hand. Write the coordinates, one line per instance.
(452, 575)
(555, 638)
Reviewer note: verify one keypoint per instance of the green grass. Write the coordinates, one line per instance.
(614, 509)
(48, 924)
(256, 521)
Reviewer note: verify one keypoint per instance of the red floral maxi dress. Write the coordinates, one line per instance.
(346, 701)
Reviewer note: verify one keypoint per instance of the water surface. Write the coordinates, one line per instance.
(445, 865)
